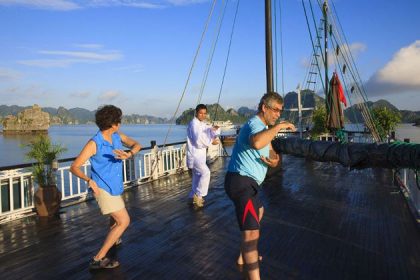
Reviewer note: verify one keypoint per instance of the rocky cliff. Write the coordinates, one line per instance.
(28, 121)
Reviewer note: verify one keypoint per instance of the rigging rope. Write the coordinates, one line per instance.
(346, 86)
(227, 58)
(281, 46)
(189, 74)
(365, 110)
(318, 37)
(348, 61)
(275, 46)
(281, 49)
(312, 42)
(211, 54)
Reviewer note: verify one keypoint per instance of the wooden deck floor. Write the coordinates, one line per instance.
(322, 221)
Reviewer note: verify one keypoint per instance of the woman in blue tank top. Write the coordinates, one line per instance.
(105, 152)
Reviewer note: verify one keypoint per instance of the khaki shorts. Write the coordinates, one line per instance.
(109, 203)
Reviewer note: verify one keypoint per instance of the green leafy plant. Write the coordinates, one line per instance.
(319, 120)
(385, 120)
(44, 153)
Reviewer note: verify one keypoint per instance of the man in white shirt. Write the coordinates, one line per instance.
(199, 136)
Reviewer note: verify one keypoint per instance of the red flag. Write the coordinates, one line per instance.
(341, 95)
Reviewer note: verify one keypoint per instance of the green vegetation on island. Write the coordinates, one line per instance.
(215, 112)
(308, 97)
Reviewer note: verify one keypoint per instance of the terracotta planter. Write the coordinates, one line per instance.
(47, 201)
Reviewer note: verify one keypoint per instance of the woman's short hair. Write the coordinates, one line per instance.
(268, 99)
(106, 116)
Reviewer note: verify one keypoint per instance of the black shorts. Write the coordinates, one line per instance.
(243, 191)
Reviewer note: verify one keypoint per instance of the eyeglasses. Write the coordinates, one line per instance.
(275, 110)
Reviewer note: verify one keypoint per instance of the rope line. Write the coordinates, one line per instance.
(211, 54)
(227, 58)
(190, 72)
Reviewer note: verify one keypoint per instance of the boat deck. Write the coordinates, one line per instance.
(321, 221)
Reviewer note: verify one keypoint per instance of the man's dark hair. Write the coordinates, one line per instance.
(107, 115)
(199, 107)
(268, 99)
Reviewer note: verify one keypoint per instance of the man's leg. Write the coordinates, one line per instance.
(249, 248)
(203, 174)
(122, 220)
(240, 258)
(194, 183)
(243, 191)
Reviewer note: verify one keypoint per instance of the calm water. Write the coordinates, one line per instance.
(75, 137)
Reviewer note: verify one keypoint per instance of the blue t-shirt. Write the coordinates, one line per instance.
(106, 169)
(245, 159)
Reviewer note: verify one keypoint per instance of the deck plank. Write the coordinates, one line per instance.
(322, 221)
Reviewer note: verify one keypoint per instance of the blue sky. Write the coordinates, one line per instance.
(137, 54)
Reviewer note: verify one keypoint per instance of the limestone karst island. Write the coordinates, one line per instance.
(32, 120)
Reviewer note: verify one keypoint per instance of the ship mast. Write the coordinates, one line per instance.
(268, 46)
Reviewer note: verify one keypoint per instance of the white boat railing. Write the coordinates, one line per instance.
(409, 183)
(353, 137)
(17, 186)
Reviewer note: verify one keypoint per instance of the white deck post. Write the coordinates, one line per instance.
(155, 161)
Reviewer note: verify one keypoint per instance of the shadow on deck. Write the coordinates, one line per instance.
(321, 222)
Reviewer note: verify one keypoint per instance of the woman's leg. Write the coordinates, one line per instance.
(122, 220)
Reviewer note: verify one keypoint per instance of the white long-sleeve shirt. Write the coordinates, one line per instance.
(199, 136)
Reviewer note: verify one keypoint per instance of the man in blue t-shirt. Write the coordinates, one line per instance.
(251, 156)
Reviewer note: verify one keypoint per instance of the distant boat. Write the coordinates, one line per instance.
(224, 125)
(228, 140)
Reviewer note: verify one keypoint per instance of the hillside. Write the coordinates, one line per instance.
(309, 100)
(62, 115)
(221, 115)
(79, 115)
(353, 115)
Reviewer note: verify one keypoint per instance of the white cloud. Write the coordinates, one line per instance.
(89, 46)
(9, 75)
(68, 58)
(109, 96)
(355, 49)
(49, 63)
(186, 2)
(60, 5)
(128, 3)
(25, 94)
(401, 74)
(109, 56)
(68, 5)
(81, 95)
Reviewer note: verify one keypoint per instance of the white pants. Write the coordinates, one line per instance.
(200, 179)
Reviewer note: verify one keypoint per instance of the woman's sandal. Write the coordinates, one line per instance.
(103, 263)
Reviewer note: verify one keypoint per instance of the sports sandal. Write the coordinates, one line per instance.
(103, 263)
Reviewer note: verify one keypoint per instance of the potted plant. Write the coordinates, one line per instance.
(47, 197)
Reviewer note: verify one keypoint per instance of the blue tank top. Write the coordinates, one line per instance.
(106, 170)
